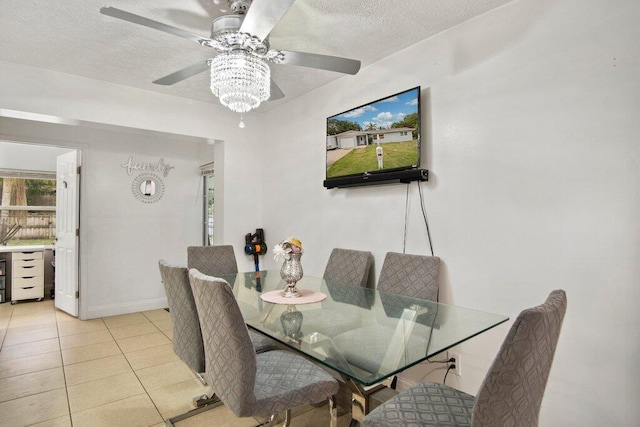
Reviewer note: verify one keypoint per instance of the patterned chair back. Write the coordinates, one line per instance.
(414, 276)
(350, 267)
(187, 338)
(229, 354)
(512, 391)
(212, 260)
(347, 266)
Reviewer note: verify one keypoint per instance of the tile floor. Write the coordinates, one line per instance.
(56, 370)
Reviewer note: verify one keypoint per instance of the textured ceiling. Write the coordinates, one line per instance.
(71, 36)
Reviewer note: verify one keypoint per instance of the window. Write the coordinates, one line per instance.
(207, 203)
(27, 208)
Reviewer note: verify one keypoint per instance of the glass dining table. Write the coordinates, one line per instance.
(364, 335)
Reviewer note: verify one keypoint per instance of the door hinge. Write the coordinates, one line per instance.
(79, 170)
(77, 294)
(77, 232)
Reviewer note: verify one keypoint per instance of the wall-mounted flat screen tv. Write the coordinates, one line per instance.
(378, 137)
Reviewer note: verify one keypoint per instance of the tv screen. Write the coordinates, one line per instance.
(377, 137)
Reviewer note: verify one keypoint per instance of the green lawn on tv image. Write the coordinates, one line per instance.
(364, 159)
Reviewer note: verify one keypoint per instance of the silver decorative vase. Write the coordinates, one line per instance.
(291, 272)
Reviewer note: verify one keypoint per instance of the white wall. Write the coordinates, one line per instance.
(127, 237)
(532, 140)
(532, 144)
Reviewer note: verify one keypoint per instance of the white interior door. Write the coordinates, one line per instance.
(67, 231)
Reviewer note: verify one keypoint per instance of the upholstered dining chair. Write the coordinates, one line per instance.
(250, 384)
(410, 275)
(219, 260)
(348, 267)
(511, 393)
(187, 337)
(345, 267)
(407, 275)
(212, 260)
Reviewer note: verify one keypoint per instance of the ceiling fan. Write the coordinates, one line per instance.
(240, 74)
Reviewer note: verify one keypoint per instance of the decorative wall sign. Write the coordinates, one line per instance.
(147, 187)
(160, 166)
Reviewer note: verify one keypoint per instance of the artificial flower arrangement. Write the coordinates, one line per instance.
(283, 250)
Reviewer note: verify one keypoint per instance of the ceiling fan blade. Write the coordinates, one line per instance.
(324, 62)
(185, 73)
(141, 20)
(276, 92)
(263, 15)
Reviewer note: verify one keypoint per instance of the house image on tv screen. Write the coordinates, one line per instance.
(356, 138)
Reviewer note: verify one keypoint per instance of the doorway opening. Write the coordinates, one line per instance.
(208, 204)
(27, 208)
(39, 215)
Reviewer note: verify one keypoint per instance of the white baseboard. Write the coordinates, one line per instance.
(125, 308)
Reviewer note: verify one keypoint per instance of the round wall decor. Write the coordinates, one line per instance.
(147, 187)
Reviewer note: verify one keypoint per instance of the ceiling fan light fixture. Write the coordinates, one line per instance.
(240, 79)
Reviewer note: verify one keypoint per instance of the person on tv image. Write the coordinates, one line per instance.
(380, 136)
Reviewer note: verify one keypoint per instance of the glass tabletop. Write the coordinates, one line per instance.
(362, 333)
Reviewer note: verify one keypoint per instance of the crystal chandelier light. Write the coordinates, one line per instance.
(240, 79)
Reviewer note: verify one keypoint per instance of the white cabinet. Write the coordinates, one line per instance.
(27, 276)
